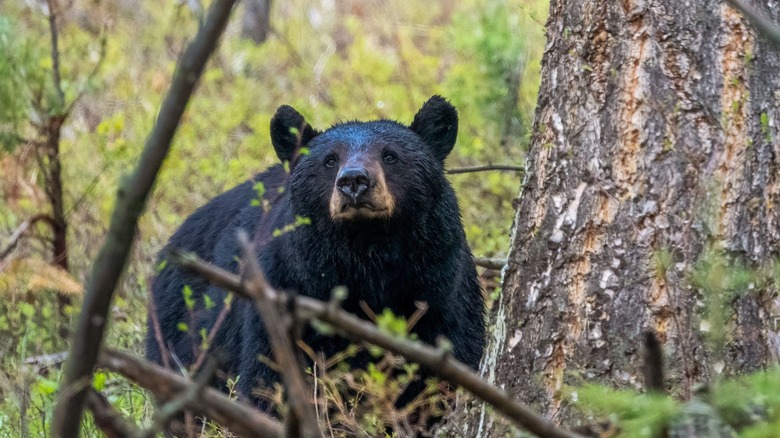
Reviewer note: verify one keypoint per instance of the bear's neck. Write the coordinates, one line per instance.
(384, 258)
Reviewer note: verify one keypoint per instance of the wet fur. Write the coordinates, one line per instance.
(417, 252)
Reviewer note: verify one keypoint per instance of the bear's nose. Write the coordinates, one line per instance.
(353, 182)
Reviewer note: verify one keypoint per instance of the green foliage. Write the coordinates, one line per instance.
(21, 67)
(663, 261)
(752, 402)
(746, 406)
(189, 302)
(332, 63)
(720, 280)
(637, 415)
(362, 401)
(392, 324)
(299, 222)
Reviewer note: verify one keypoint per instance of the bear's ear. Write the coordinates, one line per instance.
(437, 123)
(289, 131)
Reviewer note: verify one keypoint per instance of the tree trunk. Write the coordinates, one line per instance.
(55, 192)
(256, 22)
(655, 137)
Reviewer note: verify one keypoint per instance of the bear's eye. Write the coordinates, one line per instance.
(390, 158)
(331, 160)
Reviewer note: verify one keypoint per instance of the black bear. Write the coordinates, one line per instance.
(380, 219)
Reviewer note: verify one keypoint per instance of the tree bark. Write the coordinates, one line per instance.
(655, 133)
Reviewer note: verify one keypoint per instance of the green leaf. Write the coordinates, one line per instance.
(99, 381)
(374, 374)
(187, 294)
(259, 188)
(389, 323)
(46, 386)
(208, 302)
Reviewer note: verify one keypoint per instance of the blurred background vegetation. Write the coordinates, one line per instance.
(332, 60)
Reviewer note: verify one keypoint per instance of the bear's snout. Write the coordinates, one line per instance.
(354, 183)
(361, 192)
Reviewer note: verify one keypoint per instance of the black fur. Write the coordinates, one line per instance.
(418, 254)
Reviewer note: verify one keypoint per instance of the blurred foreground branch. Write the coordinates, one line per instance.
(277, 328)
(107, 419)
(209, 402)
(435, 360)
(131, 198)
(760, 21)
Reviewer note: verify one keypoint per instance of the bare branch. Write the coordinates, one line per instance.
(281, 344)
(490, 263)
(471, 169)
(211, 403)
(218, 277)
(21, 229)
(107, 419)
(435, 360)
(177, 404)
(762, 24)
(55, 55)
(131, 199)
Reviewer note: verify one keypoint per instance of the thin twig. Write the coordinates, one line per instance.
(471, 169)
(158, 337)
(281, 344)
(761, 22)
(131, 199)
(434, 360)
(211, 403)
(212, 334)
(107, 419)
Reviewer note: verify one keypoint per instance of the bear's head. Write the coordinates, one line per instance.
(366, 171)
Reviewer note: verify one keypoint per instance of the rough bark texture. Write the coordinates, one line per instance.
(656, 131)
